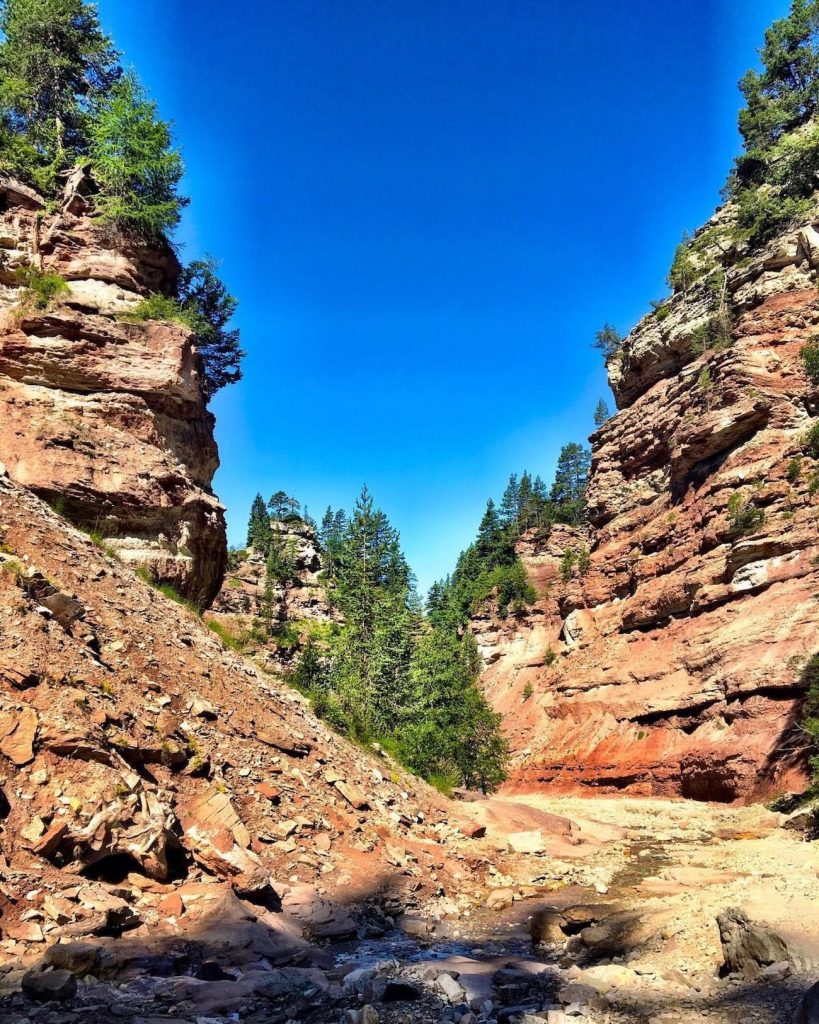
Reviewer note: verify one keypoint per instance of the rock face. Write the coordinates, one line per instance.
(102, 417)
(675, 663)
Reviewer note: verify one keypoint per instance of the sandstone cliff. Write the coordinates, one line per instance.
(675, 662)
(102, 417)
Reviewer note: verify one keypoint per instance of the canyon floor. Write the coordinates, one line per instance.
(626, 907)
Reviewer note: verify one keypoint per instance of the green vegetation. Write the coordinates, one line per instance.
(167, 590)
(240, 642)
(602, 413)
(55, 65)
(774, 177)
(65, 102)
(609, 341)
(810, 442)
(528, 690)
(134, 163)
(387, 673)
(744, 516)
(40, 288)
(794, 469)
(203, 305)
(684, 270)
(810, 714)
(810, 358)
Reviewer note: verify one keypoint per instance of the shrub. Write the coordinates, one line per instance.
(241, 642)
(528, 690)
(743, 516)
(683, 270)
(810, 442)
(794, 469)
(158, 307)
(810, 358)
(567, 564)
(810, 711)
(40, 287)
(550, 657)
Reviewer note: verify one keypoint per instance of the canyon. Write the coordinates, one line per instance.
(182, 839)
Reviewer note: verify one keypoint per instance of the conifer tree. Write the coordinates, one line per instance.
(571, 479)
(601, 413)
(510, 502)
(55, 62)
(136, 167)
(258, 526)
(609, 341)
(282, 506)
(208, 308)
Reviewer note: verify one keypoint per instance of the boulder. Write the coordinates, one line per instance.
(48, 986)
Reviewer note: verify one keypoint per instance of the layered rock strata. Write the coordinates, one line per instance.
(103, 417)
(676, 663)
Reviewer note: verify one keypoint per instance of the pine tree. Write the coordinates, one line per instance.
(490, 532)
(55, 62)
(282, 506)
(258, 526)
(571, 480)
(525, 509)
(540, 501)
(785, 94)
(510, 502)
(208, 308)
(138, 170)
(601, 413)
(609, 341)
(451, 735)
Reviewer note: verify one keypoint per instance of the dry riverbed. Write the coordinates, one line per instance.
(597, 911)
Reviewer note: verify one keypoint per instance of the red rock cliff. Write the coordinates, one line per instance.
(102, 417)
(675, 662)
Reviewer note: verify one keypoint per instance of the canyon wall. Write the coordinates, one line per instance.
(675, 662)
(104, 417)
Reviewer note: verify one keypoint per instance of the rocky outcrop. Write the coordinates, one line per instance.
(274, 625)
(676, 662)
(102, 417)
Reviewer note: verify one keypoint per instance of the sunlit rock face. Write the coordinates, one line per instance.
(103, 417)
(676, 663)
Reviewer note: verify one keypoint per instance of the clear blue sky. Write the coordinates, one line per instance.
(426, 210)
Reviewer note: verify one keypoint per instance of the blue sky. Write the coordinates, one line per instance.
(426, 210)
